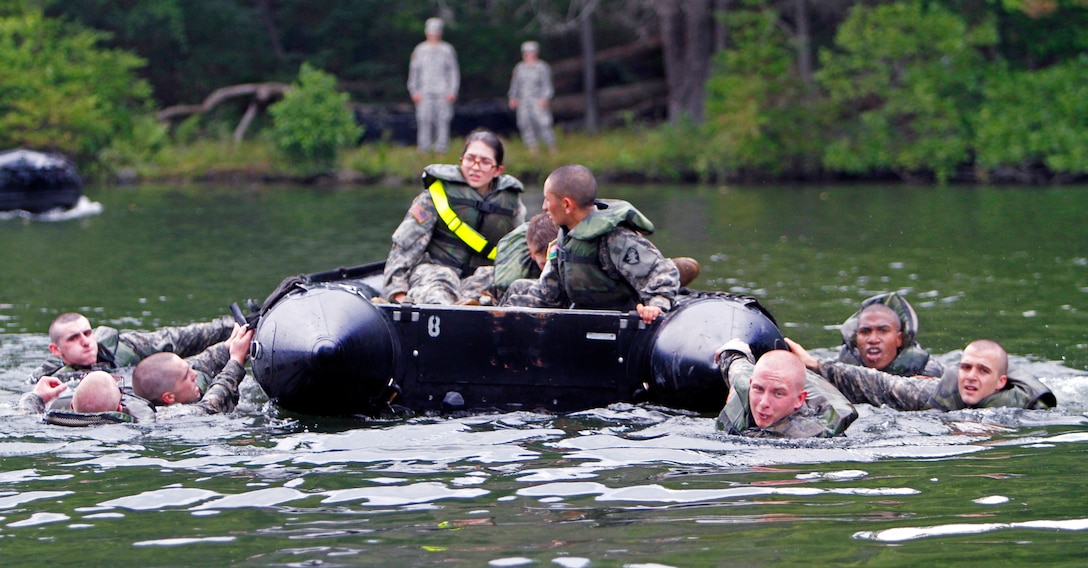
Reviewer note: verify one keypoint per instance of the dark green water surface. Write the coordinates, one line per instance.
(616, 486)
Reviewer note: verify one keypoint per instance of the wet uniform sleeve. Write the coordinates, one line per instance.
(864, 385)
(51, 365)
(410, 241)
(207, 363)
(31, 403)
(638, 261)
(185, 341)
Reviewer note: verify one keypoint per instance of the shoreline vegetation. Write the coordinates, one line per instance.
(633, 155)
(914, 91)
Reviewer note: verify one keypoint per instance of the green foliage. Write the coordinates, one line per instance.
(313, 122)
(148, 138)
(903, 79)
(60, 90)
(759, 115)
(1036, 117)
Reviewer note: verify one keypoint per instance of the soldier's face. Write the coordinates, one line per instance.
(773, 396)
(553, 206)
(479, 166)
(77, 345)
(980, 374)
(539, 256)
(185, 388)
(879, 338)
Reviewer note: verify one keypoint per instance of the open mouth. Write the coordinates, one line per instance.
(873, 353)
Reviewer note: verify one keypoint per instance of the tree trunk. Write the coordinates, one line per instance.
(687, 35)
(804, 42)
(589, 69)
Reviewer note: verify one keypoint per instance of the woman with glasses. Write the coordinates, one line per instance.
(454, 225)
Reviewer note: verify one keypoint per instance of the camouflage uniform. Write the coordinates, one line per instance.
(824, 414)
(636, 270)
(530, 84)
(433, 74)
(125, 349)
(912, 358)
(512, 261)
(412, 268)
(221, 396)
(865, 385)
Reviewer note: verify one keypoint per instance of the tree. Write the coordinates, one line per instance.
(687, 34)
(61, 90)
(313, 123)
(758, 118)
(904, 80)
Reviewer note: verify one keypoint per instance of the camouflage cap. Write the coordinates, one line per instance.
(530, 47)
(433, 26)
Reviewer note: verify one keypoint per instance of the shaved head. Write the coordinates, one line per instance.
(97, 392)
(777, 388)
(574, 181)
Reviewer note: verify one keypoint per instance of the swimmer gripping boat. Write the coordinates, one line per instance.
(323, 348)
(36, 182)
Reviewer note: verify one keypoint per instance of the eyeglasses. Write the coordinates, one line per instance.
(485, 164)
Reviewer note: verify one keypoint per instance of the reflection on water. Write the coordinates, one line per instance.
(617, 486)
(84, 207)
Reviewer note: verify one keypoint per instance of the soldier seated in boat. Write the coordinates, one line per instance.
(778, 397)
(601, 259)
(454, 225)
(982, 379)
(164, 378)
(520, 254)
(76, 349)
(881, 335)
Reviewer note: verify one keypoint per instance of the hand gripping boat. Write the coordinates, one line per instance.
(323, 348)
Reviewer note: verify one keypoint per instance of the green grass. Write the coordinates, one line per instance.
(631, 153)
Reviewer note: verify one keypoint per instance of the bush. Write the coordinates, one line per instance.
(313, 122)
(759, 115)
(1037, 117)
(60, 91)
(904, 80)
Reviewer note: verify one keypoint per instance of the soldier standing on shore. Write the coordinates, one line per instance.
(530, 96)
(433, 82)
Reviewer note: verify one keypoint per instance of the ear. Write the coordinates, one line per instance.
(1001, 381)
(54, 350)
(568, 204)
(801, 400)
(168, 398)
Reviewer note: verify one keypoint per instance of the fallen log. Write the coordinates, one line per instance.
(262, 94)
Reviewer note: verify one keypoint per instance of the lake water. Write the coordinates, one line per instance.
(617, 486)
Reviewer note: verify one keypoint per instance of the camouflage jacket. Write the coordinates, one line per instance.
(413, 235)
(825, 413)
(530, 83)
(117, 350)
(625, 256)
(433, 70)
(864, 385)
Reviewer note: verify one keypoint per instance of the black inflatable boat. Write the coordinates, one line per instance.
(36, 182)
(323, 348)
